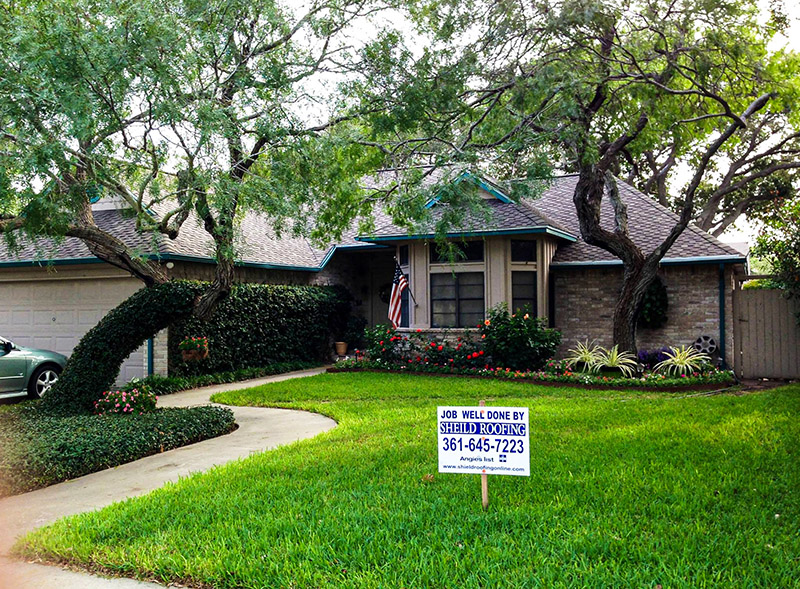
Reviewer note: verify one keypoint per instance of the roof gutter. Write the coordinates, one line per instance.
(167, 257)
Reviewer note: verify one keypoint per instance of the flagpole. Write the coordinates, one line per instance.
(396, 261)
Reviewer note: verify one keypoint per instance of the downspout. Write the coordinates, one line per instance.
(150, 360)
(722, 314)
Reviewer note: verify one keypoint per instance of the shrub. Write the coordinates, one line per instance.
(260, 324)
(95, 362)
(138, 400)
(520, 341)
(38, 449)
(682, 361)
(649, 358)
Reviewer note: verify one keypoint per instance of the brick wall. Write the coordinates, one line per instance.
(585, 298)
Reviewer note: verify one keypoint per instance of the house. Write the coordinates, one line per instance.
(528, 253)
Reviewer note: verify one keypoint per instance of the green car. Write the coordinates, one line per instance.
(26, 371)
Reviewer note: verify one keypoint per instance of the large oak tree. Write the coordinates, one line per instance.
(595, 88)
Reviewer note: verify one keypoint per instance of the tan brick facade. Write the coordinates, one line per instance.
(585, 298)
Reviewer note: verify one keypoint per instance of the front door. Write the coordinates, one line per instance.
(12, 371)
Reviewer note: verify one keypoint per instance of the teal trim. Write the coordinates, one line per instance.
(44, 263)
(150, 361)
(521, 231)
(664, 262)
(722, 314)
(196, 259)
(480, 183)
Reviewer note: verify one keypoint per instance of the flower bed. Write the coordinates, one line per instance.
(555, 372)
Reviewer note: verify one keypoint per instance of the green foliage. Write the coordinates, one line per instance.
(38, 449)
(655, 305)
(779, 245)
(190, 343)
(626, 490)
(167, 385)
(614, 359)
(258, 325)
(76, 89)
(584, 354)
(683, 360)
(95, 362)
(553, 372)
(137, 400)
(519, 341)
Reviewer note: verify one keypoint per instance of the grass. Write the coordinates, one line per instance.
(626, 490)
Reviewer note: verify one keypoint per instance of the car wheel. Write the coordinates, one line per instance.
(43, 378)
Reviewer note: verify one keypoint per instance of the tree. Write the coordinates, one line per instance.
(591, 86)
(779, 244)
(178, 108)
(744, 177)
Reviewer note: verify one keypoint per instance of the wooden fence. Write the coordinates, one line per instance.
(765, 333)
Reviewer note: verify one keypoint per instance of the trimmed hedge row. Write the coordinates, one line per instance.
(167, 385)
(37, 450)
(261, 324)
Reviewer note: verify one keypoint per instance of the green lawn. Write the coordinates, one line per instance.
(626, 490)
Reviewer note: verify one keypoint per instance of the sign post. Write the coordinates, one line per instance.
(484, 476)
(484, 440)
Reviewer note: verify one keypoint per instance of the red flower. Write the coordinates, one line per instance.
(440, 348)
(480, 353)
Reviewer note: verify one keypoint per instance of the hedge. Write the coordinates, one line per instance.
(95, 362)
(37, 450)
(167, 385)
(259, 324)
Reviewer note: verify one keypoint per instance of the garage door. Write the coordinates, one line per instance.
(54, 314)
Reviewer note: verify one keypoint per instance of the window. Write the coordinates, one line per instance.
(523, 251)
(402, 255)
(472, 250)
(457, 299)
(404, 306)
(523, 291)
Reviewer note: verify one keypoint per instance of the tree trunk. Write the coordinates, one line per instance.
(636, 279)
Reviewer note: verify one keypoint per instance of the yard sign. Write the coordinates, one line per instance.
(484, 440)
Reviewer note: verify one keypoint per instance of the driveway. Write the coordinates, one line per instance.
(259, 429)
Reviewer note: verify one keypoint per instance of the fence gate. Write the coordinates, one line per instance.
(765, 333)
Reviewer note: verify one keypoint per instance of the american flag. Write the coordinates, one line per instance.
(399, 284)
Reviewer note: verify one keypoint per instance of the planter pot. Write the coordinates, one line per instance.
(341, 348)
(194, 355)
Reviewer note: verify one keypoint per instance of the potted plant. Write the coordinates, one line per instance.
(352, 335)
(194, 348)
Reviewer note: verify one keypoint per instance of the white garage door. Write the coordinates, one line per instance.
(54, 314)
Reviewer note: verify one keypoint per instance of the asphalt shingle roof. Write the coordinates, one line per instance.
(649, 224)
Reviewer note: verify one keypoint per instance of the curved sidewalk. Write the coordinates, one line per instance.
(259, 429)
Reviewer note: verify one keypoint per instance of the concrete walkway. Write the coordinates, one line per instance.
(259, 429)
